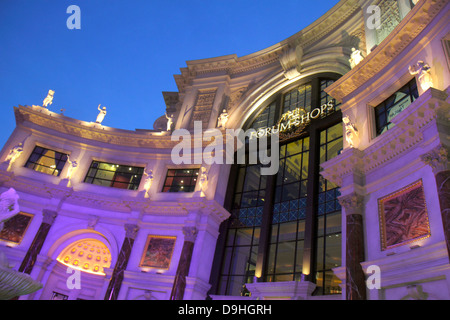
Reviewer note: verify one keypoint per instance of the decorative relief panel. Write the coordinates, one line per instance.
(403, 216)
(203, 107)
(158, 252)
(15, 228)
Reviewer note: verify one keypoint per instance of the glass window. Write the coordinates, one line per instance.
(46, 161)
(393, 105)
(114, 175)
(328, 243)
(289, 210)
(288, 214)
(266, 118)
(180, 180)
(299, 97)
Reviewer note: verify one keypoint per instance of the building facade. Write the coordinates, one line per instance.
(358, 207)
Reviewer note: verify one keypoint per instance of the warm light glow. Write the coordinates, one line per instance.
(87, 255)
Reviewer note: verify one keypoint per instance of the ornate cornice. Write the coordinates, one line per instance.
(26, 115)
(232, 64)
(405, 135)
(404, 33)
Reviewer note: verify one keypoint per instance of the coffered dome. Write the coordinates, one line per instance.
(87, 255)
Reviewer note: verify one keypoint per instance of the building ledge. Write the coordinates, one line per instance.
(391, 47)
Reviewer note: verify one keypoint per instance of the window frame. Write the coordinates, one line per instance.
(134, 185)
(35, 164)
(195, 174)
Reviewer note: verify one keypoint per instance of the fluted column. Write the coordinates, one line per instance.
(179, 283)
(30, 258)
(122, 261)
(437, 159)
(354, 255)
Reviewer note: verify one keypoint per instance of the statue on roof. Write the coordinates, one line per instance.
(101, 114)
(49, 98)
(169, 121)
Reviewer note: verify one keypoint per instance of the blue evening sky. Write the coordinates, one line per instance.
(127, 51)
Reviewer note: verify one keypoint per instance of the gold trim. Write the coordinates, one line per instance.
(381, 201)
(149, 237)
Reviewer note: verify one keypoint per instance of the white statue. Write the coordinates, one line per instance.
(9, 205)
(203, 178)
(169, 121)
(101, 114)
(148, 180)
(49, 99)
(422, 70)
(351, 133)
(72, 165)
(355, 58)
(13, 155)
(222, 120)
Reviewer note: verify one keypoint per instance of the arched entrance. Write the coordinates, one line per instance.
(79, 269)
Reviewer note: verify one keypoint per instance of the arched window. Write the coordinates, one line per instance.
(288, 224)
(87, 255)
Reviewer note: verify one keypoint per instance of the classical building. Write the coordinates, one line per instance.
(358, 208)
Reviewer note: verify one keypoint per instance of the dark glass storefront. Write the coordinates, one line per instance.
(287, 224)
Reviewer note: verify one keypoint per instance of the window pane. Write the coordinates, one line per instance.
(178, 180)
(46, 161)
(114, 175)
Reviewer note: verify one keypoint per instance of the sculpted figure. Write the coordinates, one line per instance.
(203, 178)
(148, 180)
(49, 99)
(72, 165)
(14, 154)
(9, 205)
(351, 133)
(169, 121)
(101, 114)
(355, 58)
(423, 73)
(222, 120)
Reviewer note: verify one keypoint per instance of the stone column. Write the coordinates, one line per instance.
(122, 261)
(354, 254)
(179, 283)
(30, 258)
(437, 159)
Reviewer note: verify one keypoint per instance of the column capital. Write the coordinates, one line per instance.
(352, 203)
(190, 233)
(131, 230)
(436, 158)
(49, 216)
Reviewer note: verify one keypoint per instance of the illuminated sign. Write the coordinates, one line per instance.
(293, 119)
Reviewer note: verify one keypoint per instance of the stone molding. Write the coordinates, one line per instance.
(405, 135)
(403, 34)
